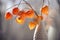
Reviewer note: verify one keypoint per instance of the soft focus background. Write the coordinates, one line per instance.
(10, 30)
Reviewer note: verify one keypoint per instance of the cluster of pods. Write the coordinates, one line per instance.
(22, 15)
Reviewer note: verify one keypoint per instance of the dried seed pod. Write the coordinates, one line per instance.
(15, 11)
(32, 25)
(30, 13)
(8, 16)
(20, 20)
(44, 10)
(40, 17)
(22, 14)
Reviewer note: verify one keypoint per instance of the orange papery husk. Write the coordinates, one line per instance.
(15, 11)
(30, 13)
(8, 16)
(45, 10)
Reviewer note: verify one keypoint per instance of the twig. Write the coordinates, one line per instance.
(19, 3)
(30, 7)
(42, 6)
(14, 5)
(11, 7)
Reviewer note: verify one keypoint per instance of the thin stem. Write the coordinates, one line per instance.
(48, 2)
(14, 5)
(11, 7)
(42, 6)
(30, 7)
(19, 3)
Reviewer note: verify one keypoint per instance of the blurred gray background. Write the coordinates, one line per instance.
(10, 30)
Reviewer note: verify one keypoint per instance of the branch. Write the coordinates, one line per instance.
(30, 7)
(14, 5)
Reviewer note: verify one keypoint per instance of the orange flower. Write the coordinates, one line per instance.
(30, 13)
(32, 25)
(19, 20)
(44, 10)
(15, 10)
(8, 16)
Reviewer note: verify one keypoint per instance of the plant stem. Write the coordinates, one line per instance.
(30, 7)
(11, 7)
(42, 6)
(14, 5)
(19, 3)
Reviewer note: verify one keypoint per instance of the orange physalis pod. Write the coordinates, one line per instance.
(30, 13)
(15, 11)
(40, 17)
(44, 10)
(8, 16)
(32, 25)
(22, 14)
(19, 20)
